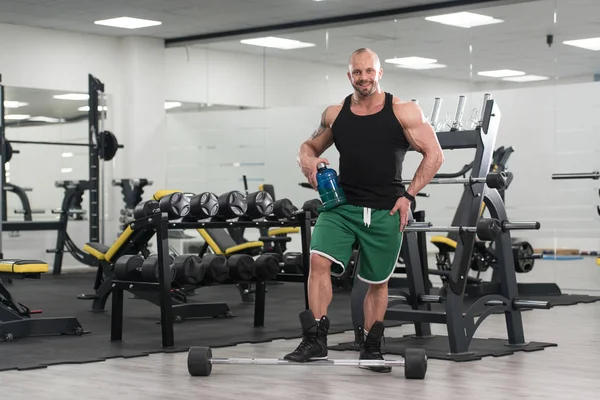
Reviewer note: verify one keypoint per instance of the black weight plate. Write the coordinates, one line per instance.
(204, 205)
(126, 267)
(241, 267)
(176, 205)
(415, 366)
(189, 269)
(109, 144)
(232, 205)
(149, 268)
(216, 267)
(284, 209)
(145, 209)
(199, 361)
(259, 204)
(312, 206)
(266, 266)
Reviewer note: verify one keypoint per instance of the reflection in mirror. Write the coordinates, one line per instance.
(34, 107)
(449, 61)
(40, 116)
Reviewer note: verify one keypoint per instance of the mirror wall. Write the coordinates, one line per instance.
(523, 55)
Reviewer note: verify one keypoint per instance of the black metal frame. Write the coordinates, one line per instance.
(95, 86)
(16, 321)
(161, 225)
(73, 196)
(461, 326)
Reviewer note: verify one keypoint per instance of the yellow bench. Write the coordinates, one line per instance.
(23, 266)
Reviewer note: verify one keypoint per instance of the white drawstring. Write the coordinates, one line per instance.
(367, 216)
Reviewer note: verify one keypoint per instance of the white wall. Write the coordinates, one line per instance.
(212, 150)
(209, 76)
(132, 70)
(202, 151)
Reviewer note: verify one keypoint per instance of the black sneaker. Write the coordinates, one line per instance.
(314, 339)
(371, 349)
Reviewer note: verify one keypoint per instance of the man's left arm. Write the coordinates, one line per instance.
(421, 136)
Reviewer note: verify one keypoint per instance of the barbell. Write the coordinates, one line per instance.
(108, 145)
(487, 229)
(494, 180)
(200, 361)
(585, 175)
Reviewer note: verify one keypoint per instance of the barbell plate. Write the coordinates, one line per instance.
(415, 363)
(199, 361)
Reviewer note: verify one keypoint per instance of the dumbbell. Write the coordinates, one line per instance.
(189, 269)
(284, 209)
(176, 205)
(266, 267)
(149, 270)
(204, 205)
(129, 268)
(216, 268)
(146, 209)
(259, 204)
(232, 205)
(313, 206)
(241, 267)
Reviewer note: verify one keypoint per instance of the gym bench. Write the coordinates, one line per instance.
(15, 318)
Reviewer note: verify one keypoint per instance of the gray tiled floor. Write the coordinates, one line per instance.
(569, 371)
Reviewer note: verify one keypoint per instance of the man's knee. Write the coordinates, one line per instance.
(319, 264)
(379, 287)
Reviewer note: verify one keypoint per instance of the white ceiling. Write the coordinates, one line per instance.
(185, 17)
(517, 43)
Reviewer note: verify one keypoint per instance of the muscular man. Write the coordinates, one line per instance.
(372, 131)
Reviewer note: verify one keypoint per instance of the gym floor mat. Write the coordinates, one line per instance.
(57, 296)
(564, 299)
(437, 347)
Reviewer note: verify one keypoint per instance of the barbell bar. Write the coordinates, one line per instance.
(518, 304)
(494, 180)
(200, 362)
(585, 175)
(107, 151)
(487, 229)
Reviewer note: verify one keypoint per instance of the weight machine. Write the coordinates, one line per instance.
(461, 325)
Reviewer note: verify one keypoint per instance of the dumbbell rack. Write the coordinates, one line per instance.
(160, 223)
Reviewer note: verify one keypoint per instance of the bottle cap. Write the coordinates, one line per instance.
(321, 165)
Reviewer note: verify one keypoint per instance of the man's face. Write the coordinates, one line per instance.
(365, 73)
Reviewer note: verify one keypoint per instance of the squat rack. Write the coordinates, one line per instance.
(98, 142)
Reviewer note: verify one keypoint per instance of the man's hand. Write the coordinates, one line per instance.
(402, 206)
(320, 140)
(309, 169)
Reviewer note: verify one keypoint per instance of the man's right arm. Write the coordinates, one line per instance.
(311, 149)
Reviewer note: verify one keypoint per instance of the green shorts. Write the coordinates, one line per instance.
(376, 231)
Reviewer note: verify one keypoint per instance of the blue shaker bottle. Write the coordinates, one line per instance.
(332, 195)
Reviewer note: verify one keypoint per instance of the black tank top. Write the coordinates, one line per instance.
(372, 149)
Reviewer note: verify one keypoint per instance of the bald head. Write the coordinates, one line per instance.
(364, 72)
(363, 55)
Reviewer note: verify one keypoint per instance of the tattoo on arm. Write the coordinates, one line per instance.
(322, 127)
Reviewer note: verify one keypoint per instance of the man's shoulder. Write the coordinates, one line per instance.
(331, 113)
